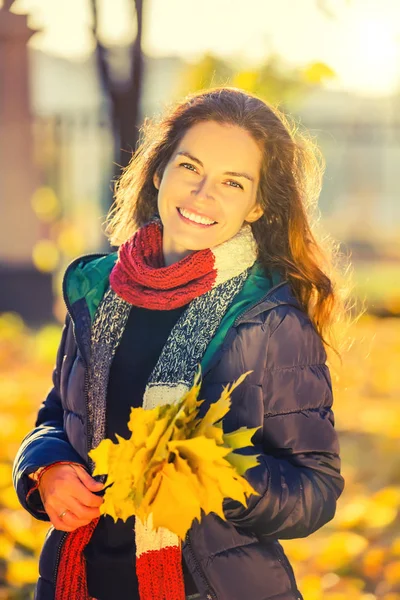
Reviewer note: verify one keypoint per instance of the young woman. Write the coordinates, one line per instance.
(217, 264)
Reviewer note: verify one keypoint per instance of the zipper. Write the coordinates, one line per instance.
(284, 562)
(210, 592)
(86, 395)
(58, 555)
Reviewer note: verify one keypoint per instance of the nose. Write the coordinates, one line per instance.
(203, 190)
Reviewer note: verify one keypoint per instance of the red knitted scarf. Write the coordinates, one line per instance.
(141, 278)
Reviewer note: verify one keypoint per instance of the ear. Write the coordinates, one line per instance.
(255, 213)
(156, 181)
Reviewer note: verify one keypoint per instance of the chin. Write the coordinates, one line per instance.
(189, 243)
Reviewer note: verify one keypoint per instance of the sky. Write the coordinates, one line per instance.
(360, 40)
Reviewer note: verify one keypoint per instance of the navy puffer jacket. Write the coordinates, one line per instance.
(288, 396)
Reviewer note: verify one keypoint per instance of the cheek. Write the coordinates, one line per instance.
(172, 177)
(235, 209)
(169, 187)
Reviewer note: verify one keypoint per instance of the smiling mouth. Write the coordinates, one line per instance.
(194, 219)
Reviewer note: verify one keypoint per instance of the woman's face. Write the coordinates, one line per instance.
(214, 174)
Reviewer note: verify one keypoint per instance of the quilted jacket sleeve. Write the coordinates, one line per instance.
(47, 443)
(298, 476)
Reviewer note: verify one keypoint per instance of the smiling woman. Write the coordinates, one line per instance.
(204, 202)
(217, 266)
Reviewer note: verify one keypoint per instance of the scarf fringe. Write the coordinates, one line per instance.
(160, 574)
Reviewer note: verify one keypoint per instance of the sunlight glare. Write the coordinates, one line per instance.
(369, 58)
(361, 43)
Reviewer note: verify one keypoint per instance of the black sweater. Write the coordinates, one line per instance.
(110, 554)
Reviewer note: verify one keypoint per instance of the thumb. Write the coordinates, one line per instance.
(87, 479)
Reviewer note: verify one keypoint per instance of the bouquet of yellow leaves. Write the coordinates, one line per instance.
(174, 464)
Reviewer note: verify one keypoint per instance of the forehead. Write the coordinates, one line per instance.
(229, 145)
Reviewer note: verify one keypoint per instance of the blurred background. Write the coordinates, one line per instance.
(77, 79)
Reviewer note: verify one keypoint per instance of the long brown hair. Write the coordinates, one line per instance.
(290, 184)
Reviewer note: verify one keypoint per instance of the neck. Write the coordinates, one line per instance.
(173, 255)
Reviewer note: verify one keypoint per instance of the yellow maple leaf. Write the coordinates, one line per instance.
(141, 422)
(140, 462)
(242, 463)
(176, 504)
(101, 457)
(217, 410)
(189, 399)
(108, 506)
(159, 428)
(240, 438)
(228, 484)
(182, 466)
(186, 421)
(121, 456)
(143, 508)
(117, 500)
(197, 450)
(211, 499)
(160, 451)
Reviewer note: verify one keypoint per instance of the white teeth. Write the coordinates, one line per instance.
(195, 218)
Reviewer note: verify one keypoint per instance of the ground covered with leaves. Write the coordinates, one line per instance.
(354, 557)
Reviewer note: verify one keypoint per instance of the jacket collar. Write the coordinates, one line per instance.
(86, 278)
(276, 296)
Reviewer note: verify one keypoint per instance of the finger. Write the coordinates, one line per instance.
(80, 510)
(69, 522)
(79, 491)
(82, 494)
(72, 486)
(87, 479)
(73, 522)
(56, 521)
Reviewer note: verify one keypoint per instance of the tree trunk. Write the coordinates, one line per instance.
(124, 96)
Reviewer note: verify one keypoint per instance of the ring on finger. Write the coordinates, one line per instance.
(62, 515)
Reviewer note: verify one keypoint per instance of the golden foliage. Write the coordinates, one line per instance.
(175, 464)
(369, 384)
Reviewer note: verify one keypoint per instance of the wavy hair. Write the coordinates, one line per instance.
(287, 233)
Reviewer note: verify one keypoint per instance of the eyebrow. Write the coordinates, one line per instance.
(232, 173)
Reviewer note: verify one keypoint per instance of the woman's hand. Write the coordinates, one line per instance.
(69, 487)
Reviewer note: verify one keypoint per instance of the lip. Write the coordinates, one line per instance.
(195, 213)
